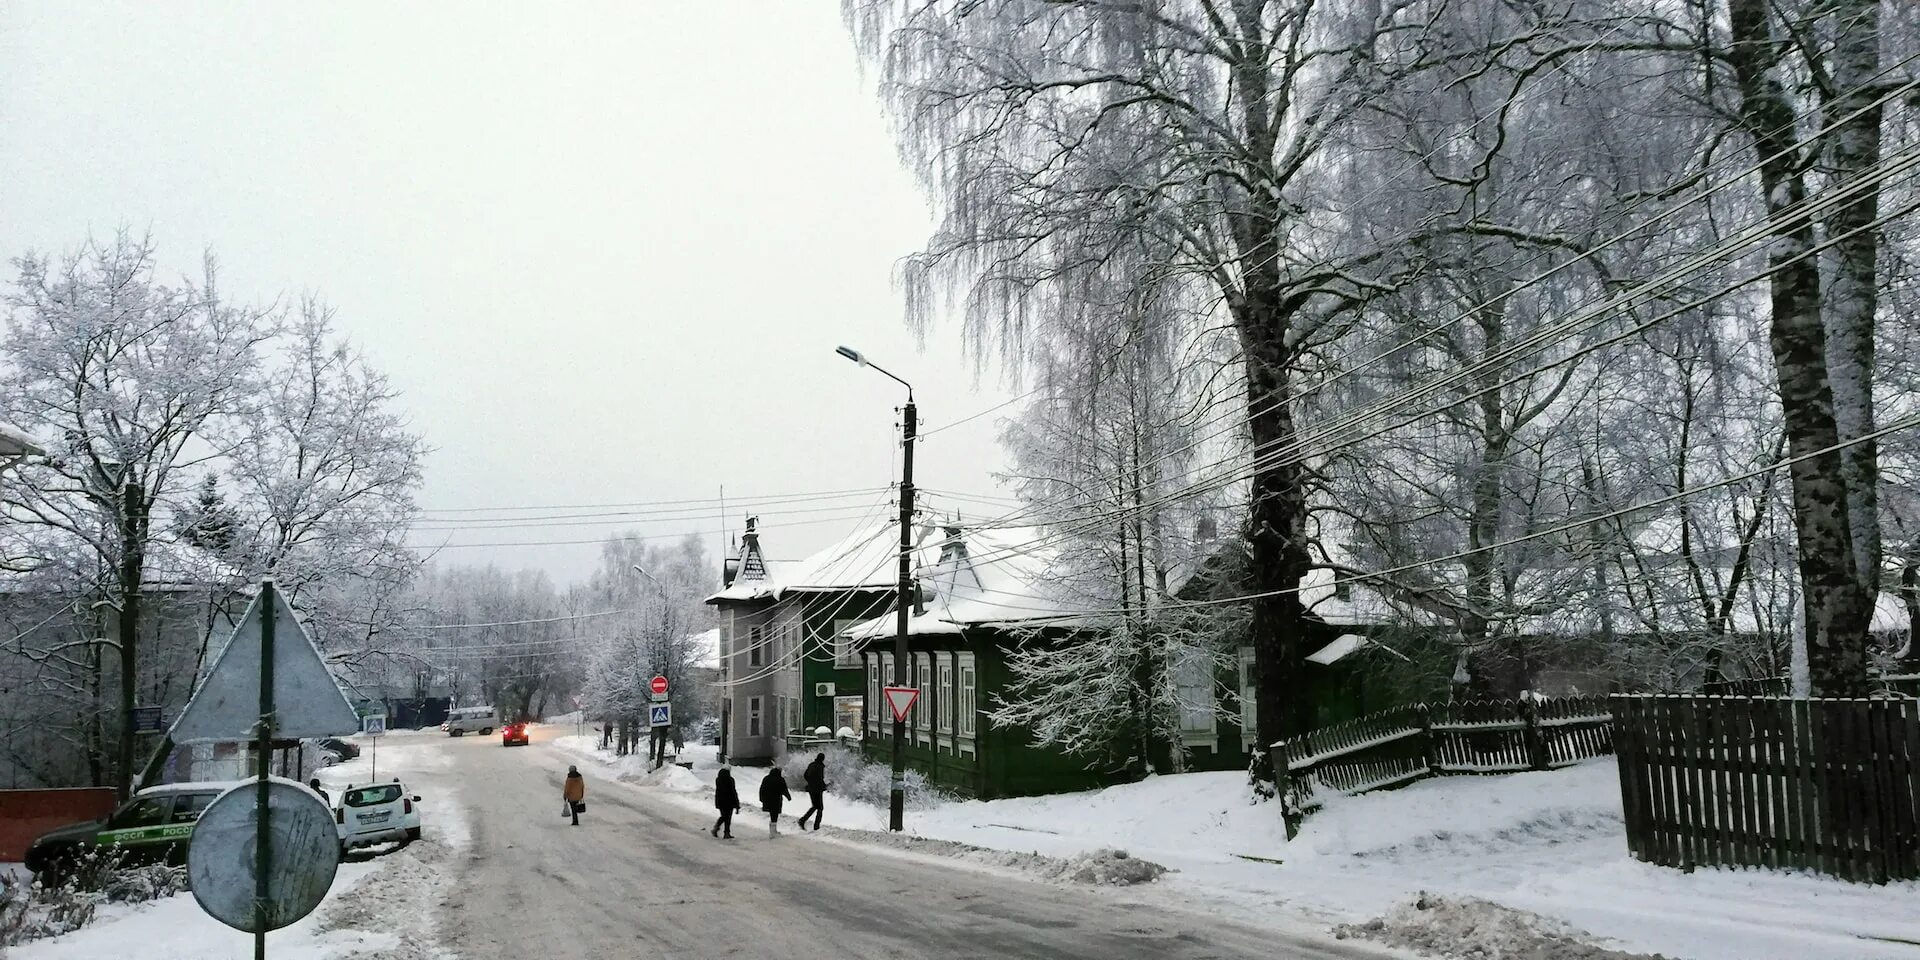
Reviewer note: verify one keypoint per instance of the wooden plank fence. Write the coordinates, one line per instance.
(1405, 744)
(1831, 786)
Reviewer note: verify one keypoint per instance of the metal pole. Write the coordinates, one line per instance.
(263, 836)
(897, 796)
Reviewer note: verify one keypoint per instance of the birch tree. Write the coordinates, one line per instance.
(1053, 133)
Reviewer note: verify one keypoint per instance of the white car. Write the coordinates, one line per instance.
(377, 813)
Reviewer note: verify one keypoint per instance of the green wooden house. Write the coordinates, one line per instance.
(969, 616)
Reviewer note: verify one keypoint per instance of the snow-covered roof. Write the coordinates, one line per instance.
(995, 578)
(16, 442)
(862, 560)
(1334, 652)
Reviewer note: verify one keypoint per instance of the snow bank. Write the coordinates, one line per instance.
(1479, 930)
(1179, 820)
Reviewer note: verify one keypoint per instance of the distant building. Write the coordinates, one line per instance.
(59, 692)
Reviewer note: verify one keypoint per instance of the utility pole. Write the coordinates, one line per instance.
(909, 426)
(897, 795)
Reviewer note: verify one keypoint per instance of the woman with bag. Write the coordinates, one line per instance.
(574, 794)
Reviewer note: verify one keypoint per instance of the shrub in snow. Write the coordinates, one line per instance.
(30, 910)
(853, 777)
(1467, 928)
(1111, 868)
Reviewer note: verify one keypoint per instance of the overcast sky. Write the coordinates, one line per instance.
(606, 250)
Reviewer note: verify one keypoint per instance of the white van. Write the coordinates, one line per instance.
(470, 720)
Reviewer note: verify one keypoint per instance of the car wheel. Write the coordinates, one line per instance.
(413, 833)
(486, 731)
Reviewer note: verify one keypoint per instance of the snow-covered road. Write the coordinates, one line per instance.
(640, 876)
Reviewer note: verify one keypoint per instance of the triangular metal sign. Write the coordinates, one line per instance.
(901, 700)
(307, 702)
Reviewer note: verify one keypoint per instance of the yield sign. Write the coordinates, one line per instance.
(901, 700)
(306, 700)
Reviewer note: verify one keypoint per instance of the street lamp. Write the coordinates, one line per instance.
(896, 797)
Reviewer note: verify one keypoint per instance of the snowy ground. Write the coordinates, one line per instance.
(380, 904)
(1548, 843)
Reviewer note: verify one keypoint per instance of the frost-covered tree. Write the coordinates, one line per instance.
(1118, 419)
(324, 470)
(129, 372)
(1055, 135)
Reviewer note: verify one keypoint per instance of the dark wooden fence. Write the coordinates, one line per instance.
(1826, 785)
(1405, 744)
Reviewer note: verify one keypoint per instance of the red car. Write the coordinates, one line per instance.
(513, 733)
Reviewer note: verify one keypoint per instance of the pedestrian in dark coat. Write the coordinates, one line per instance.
(773, 792)
(727, 799)
(574, 792)
(815, 780)
(606, 734)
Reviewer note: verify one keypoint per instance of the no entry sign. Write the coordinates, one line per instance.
(659, 685)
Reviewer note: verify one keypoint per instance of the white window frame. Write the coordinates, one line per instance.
(756, 649)
(967, 682)
(1249, 707)
(885, 709)
(1198, 724)
(943, 675)
(756, 723)
(874, 703)
(922, 707)
(846, 653)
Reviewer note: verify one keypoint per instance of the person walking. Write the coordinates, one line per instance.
(815, 781)
(314, 785)
(773, 792)
(606, 734)
(727, 799)
(574, 792)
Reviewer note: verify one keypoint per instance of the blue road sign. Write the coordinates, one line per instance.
(148, 720)
(660, 715)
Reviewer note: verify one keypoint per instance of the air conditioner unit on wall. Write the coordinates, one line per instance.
(823, 689)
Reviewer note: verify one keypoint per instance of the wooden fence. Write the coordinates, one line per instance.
(1405, 744)
(1826, 785)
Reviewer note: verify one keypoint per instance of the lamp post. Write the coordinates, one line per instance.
(896, 796)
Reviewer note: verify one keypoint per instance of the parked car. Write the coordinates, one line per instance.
(347, 749)
(153, 826)
(470, 720)
(376, 813)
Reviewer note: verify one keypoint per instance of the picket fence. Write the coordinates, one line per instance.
(1829, 785)
(1398, 746)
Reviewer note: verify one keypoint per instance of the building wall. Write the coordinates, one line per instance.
(750, 687)
(830, 660)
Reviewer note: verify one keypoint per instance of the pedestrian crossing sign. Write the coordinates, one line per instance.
(660, 715)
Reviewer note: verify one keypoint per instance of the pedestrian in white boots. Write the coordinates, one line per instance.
(773, 793)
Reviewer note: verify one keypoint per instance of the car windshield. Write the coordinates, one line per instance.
(371, 796)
